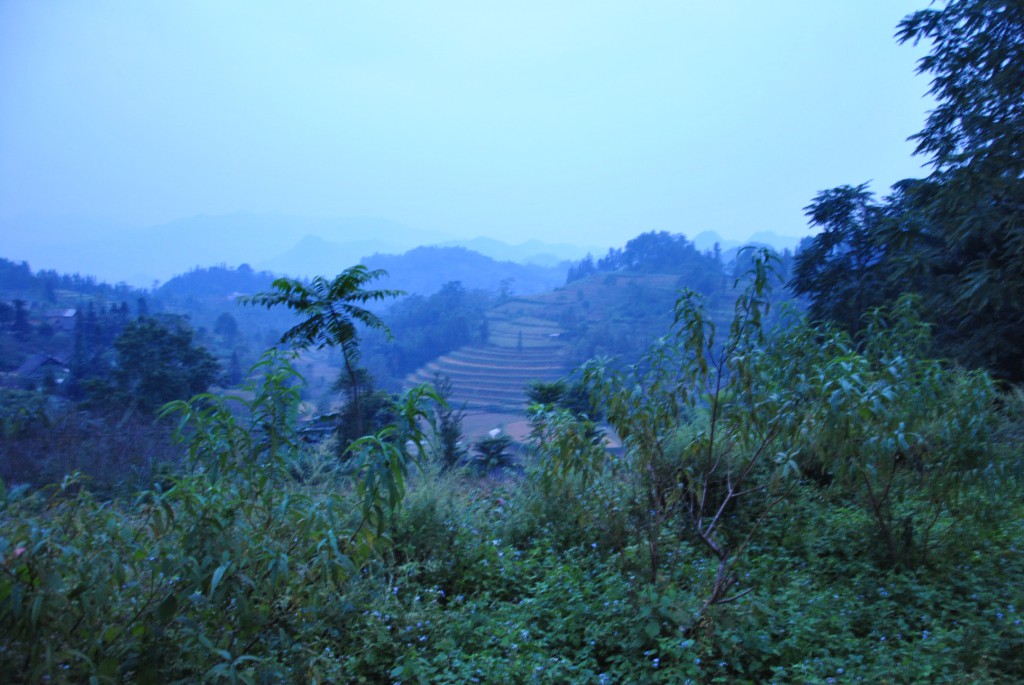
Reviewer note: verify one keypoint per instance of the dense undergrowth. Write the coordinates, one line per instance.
(786, 508)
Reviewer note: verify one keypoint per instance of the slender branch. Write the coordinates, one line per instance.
(732, 493)
(737, 596)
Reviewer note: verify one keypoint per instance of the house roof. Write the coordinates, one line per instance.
(36, 362)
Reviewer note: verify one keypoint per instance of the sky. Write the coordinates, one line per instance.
(582, 122)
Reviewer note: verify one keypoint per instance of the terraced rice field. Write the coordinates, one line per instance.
(526, 342)
(493, 377)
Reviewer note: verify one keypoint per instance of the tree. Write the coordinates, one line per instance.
(366, 410)
(977, 63)
(22, 328)
(540, 392)
(493, 452)
(972, 205)
(331, 310)
(842, 267)
(226, 326)
(156, 364)
(427, 327)
(708, 446)
(234, 374)
(904, 437)
(446, 426)
(955, 238)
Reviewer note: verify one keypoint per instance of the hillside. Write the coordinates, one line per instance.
(493, 376)
(425, 270)
(543, 337)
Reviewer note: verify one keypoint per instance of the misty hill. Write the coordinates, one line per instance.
(544, 335)
(315, 256)
(140, 256)
(530, 252)
(613, 307)
(219, 282)
(425, 269)
(706, 240)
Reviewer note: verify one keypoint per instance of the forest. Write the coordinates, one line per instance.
(819, 483)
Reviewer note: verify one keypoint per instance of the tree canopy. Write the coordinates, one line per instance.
(158, 363)
(331, 309)
(956, 237)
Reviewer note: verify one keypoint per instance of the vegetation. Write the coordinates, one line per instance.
(330, 311)
(446, 427)
(747, 529)
(155, 365)
(794, 500)
(427, 327)
(659, 252)
(954, 237)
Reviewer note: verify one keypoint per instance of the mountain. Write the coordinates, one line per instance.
(779, 242)
(530, 252)
(216, 282)
(425, 269)
(706, 241)
(314, 256)
(140, 256)
(24, 236)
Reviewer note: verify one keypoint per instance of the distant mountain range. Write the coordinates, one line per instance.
(290, 245)
(140, 256)
(285, 244)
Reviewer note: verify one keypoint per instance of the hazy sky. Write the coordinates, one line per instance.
(583, 122)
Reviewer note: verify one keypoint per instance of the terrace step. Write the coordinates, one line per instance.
(494, 377)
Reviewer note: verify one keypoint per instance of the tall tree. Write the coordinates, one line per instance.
(972, 205)
(842, 266)
(331, 310)
(956, 237)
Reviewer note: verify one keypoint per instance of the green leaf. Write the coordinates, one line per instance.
(217, 575)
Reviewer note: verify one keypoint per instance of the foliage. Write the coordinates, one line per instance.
(18, 277)
(955, 238)
(539, 392)
(156, 364)
(702, 435)
(570, 447)
(907, 437)
(978, 80)
(895, 558)
(230, 570)
(215, 280)
(244, 565)
(662, 252)
(330, 311)
(493, 452)
(843, 266)
(44, 439)
(427, 327)
(446, 437)
(365, 408)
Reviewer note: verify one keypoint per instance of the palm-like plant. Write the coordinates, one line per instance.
(332, 309)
